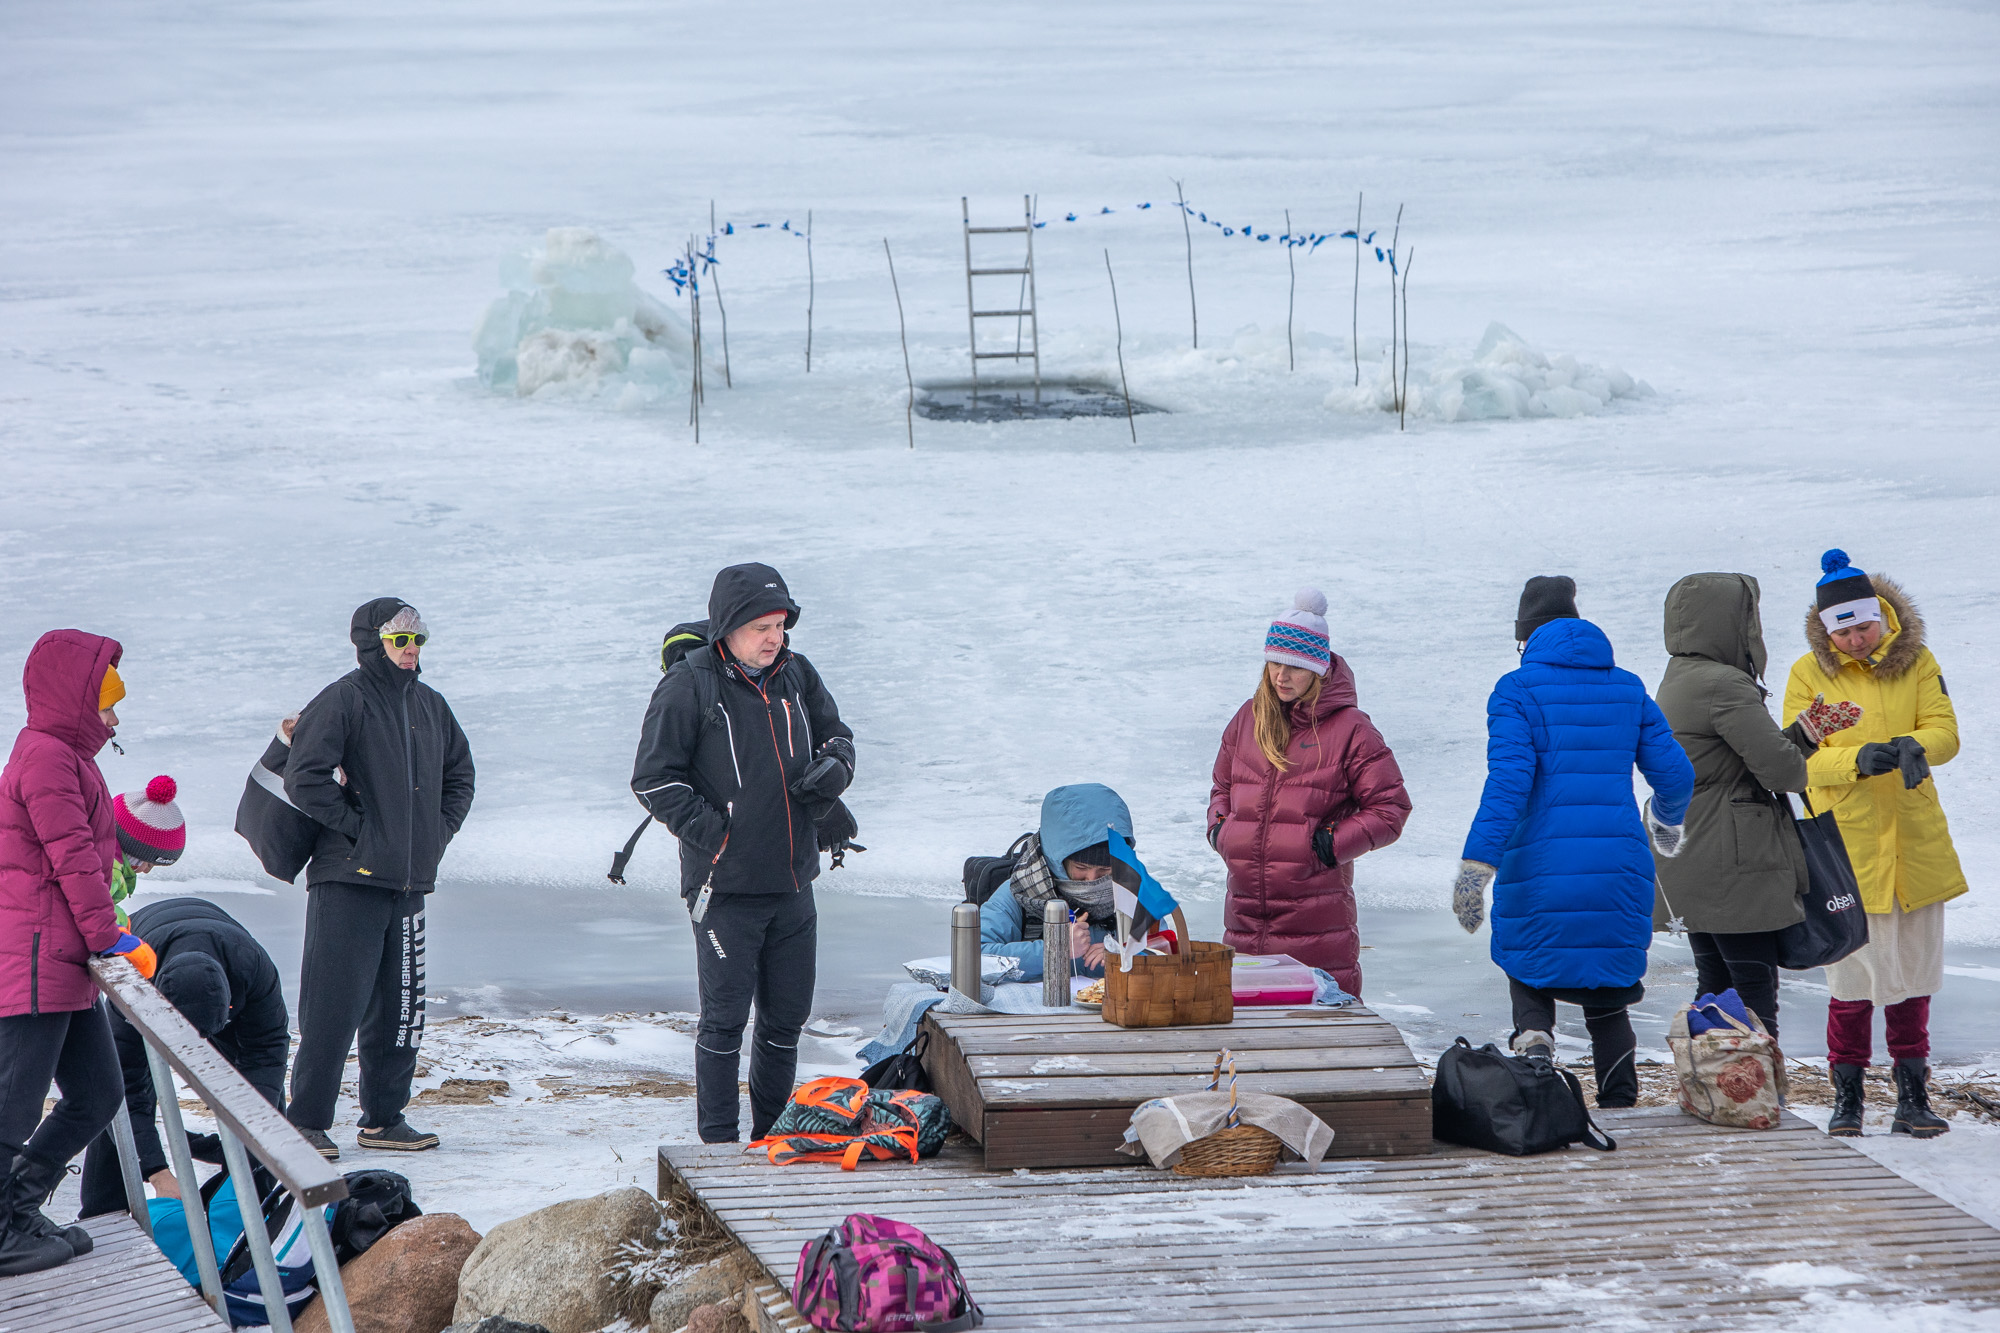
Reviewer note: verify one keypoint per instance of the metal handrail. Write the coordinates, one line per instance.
(247, 1125)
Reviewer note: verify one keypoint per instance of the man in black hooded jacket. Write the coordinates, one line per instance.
(378, 760)
(225, 984)
(742, 756)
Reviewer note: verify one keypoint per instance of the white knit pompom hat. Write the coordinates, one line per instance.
(1299, 637)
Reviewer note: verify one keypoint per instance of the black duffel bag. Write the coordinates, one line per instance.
(1518, 1105)
(1835, 924)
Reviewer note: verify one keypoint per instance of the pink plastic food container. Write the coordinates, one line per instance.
(1271, 978)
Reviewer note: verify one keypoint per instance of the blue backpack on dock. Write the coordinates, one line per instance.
(232, 1252)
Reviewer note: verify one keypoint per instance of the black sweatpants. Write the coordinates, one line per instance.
(363, 972)
(74, 1049)
(765, 947)
(1613, 1044)
(1747, 961)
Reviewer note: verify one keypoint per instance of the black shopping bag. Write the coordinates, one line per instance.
(1835, 924)
(1518, 1105)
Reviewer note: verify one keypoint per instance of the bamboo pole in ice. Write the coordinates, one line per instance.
(909, 408)
(720, 308)
(1354, 338)
(1187, 235)
(1121, 347)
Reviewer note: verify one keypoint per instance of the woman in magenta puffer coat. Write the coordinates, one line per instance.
(57, 847)
(1304, 784)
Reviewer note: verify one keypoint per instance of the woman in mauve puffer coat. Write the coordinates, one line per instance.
(57, 847)
(1303, 785)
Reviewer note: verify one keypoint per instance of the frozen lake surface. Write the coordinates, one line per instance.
(249, 243)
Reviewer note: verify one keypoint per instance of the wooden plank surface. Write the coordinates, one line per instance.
(1058, 1090)
(1685, 1226)
(124, 1284)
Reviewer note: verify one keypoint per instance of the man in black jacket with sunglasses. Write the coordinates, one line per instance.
(743, 756)
(379, 762)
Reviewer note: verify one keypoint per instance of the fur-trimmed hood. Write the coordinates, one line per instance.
(1903, 638)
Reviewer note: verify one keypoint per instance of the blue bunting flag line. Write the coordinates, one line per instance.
(682, 275)
(1307, 240)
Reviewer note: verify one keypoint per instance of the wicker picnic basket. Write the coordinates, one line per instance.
(1236, 1149)
(1172, 990)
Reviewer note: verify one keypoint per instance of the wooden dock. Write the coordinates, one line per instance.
(123, 1285)
(1685, 1226)
(1059, 1090)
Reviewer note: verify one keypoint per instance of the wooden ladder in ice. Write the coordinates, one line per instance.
(1024, 300)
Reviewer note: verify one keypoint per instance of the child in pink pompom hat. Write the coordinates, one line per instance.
(151, 833)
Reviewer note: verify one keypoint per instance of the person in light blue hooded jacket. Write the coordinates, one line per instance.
(1067, 859)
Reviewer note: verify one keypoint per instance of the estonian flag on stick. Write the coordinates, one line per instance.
(1142, 904)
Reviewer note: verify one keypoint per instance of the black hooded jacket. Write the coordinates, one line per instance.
(255, 1035)
(408, 768)
(719, 774)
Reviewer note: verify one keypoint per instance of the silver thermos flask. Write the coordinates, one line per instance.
(965, 950)
(1055, 955)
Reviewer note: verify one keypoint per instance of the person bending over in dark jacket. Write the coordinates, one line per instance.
(1561, 840)
(219, 977)
(743, 756)
(408, 787)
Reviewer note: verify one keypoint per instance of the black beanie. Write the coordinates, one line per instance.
(1097, 854)
(1546, 597)
(195, 984)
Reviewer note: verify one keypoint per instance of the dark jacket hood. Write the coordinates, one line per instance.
(744, 592)
(61, 682)
(196, 984)
(363, 631)
(1902, 643)
(1569, 643)
(1716, 617)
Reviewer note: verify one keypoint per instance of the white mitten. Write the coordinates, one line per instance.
(1666, 837)
(1468, 893)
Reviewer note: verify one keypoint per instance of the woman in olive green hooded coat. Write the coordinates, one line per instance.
(1741, 871)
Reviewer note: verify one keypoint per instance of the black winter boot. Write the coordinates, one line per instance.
(33, 1183)
(1913, 1101)
(1847, 1100)
(21, 1250)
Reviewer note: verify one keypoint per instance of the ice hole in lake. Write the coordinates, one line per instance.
(1022, 400)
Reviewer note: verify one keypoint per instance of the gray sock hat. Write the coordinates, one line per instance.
(1546, 597)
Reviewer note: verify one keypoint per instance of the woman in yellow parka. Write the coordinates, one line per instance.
(1867, 644)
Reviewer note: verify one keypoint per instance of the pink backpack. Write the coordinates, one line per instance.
(874, 1275)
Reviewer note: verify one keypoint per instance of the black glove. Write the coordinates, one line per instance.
(1876, 758)
(835, 831)
(1323, 846)
(1910, 758)
(1215, 835)
(205, 1148)
(1904, 752)
(825, 777)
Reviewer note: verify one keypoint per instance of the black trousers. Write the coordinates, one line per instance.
(1613, 1044)
(762, 947)
(363, 973)
(74, 1050)
(1747, 961)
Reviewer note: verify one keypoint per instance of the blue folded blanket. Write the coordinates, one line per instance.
(1729, 1002)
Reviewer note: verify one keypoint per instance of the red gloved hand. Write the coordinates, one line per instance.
(1822, 719)
(141, 953)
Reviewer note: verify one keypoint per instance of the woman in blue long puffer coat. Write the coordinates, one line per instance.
(1561, 839)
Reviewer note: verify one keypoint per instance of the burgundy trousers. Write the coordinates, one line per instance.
(1848, 1038)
